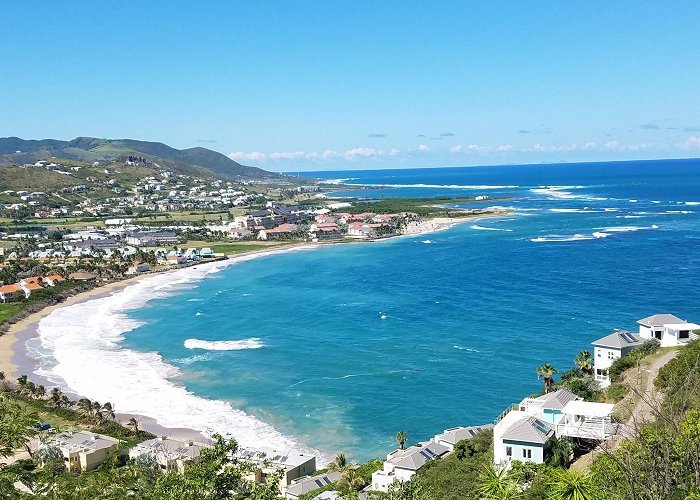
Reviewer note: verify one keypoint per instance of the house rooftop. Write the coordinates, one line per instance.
(83, 441)
(659, 320)
(556, 400)
(458, 433)
(309, 483)
(529, 430)
(415, 457)
(587, 408)
(619, 340)
(172, 448)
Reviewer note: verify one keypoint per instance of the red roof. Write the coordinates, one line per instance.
(10, 288)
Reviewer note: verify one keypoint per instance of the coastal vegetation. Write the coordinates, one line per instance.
(425, 207)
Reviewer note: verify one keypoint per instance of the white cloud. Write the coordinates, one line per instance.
(353, 153)
(253, 155)
(423, 148)
(394, 152)
(505, 147)
(693, 142)
(612, 145)
(456, 149)
(296, 155)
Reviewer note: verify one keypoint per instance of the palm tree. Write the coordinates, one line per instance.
(561, 452)
(401, 438)
(339, 463)
(547, 371)
(57, 397)
(494, 484)
(85, 408)
(133, 424)
(584, 360)
(351, 480)
(97, 411)
(108, 411)
(40, 391)
(568, 485)
(18, 425)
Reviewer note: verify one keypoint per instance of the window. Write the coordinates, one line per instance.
(509, 451)
(527, 453)
(611, 355)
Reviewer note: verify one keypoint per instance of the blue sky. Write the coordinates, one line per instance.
(312, 85)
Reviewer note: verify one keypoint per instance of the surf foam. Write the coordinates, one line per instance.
(224, 345)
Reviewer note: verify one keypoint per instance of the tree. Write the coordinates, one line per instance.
(561, 451)
(16, 427)
(108, 411)
(568, 485)
(584, 360)
(401, 439)
(464, 448)
(133, 424)
(546, 372)
(339, 463)
(494, 484)
(85, 408)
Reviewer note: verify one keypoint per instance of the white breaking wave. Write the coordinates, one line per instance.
(482, 228)
(437, 186)
(427, 242)
(558, 238)
(224, 345)
(628, 229)
(465, 348)
(79, 348)
(692, 203)
(575, 210)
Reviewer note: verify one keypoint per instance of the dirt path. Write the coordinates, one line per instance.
(642, 400)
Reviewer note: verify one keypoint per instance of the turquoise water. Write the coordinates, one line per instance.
(424, 333)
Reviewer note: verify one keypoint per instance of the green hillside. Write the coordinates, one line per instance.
(16, 151)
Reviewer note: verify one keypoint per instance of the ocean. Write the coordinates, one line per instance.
(337, 348)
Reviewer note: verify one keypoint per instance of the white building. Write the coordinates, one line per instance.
(171, 454)
(610, 348)
(525, 432)
(450, 436)
(667, 329)
(402, 465)
(84, 449)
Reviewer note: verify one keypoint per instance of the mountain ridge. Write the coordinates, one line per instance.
(15, 150)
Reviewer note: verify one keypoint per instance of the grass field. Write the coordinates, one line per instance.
(10, 309)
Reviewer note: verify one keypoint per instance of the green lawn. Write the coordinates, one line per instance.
(10, 309)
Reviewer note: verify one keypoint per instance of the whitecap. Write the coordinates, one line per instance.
(427, 242)
(439, 186)
(482, 228)
(224, 345)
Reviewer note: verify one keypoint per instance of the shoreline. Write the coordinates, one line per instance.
(15, 359)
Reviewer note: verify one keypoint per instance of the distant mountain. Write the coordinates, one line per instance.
(14, 150)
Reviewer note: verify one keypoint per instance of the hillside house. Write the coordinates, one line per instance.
(172, 455)
(402, 465)
(667, 329)
(84, 449)
(449, 437)
(609, 348)
(11, 293)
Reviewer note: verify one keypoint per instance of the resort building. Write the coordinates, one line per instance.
(525, 431)
(610, 348)
(11, 293)
(450, 436)
(667, 329)
(303, 485)
(53, 279)
(171, 454)
(402, 465)
(293, 465)
(83, 449)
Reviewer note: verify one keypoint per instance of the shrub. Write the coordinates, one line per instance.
(617, 391)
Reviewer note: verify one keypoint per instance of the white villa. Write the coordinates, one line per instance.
(171, 454)
(450, 436)
(525, 431)
(84, 449)
(610, 348)
(402, 465)
(667, 329)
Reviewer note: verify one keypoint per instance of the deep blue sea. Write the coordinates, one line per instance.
(349, 344)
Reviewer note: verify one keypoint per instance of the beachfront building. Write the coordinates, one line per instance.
(281, 231)
(53, 280)
(667, 329)
(609, 348)
(402, 465)
(525, 431)
(172, 455)
(450, 436)
(11, 293)
(31, 284)
(267, 461)
(306, 484)
(82, 449)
